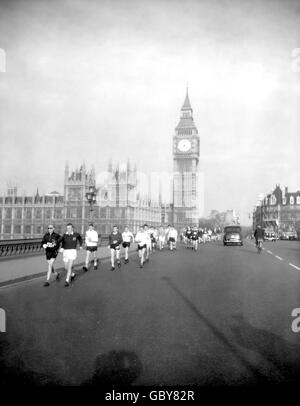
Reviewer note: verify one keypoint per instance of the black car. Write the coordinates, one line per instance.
(233, 235)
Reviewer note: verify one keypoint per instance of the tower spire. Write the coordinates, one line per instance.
(187, 103)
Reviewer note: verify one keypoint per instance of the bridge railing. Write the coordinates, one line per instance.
(29, 246)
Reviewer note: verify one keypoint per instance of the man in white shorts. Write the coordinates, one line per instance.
(142, 238)
(91, 242)
(69, 248)
(148, 242)
(172, 238)
(161, 237)
(127, 236)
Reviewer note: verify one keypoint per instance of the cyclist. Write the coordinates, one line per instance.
(259, 234)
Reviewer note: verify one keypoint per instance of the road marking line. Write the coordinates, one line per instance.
(276, 256)
(269, 252)
(294, 266)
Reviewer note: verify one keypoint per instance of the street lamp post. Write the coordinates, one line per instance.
(91, 198)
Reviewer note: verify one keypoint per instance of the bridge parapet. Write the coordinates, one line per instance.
(28, 247)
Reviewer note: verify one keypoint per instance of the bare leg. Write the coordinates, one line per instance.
(141, 255)
(50, 265)
(112, 257)
(95, 258)
(87, 258)
(126, 253)
(69, 270)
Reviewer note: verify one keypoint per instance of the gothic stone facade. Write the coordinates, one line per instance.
(118, 202)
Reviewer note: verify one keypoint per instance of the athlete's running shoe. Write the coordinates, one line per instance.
(95, 265)
(67, 284)
(73, 276)
(119, 264)
(112, 268)
(58, 276)
(46, 284)
(85, 269)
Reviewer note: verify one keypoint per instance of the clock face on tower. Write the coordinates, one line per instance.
(184, 145)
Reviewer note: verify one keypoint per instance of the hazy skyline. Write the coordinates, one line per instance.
(86, 81)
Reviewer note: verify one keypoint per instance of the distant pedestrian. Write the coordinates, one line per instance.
(148, 242)
(200, 235)
(154, 237)
(51, 244)
(115, 241)
(127, 237)
(188, 235)
(142, 239)
(195, 237)
(205, 235)
(172, 238)
(161, 237)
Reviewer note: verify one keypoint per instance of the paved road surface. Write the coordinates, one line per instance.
(221, 315)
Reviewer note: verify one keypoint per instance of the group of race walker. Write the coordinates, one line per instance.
(192, 236)
(148, 239)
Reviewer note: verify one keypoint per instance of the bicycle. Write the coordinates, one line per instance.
(259, 245)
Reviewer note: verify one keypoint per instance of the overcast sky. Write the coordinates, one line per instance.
(89, 80)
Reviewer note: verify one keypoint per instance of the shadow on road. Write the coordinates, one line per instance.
(279, 353)
(258, 377)
(15, 372)
(115, 368)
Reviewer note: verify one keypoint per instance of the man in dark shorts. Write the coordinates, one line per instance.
(51, 242)
(115, 241)
(188, 235)
(195, 238)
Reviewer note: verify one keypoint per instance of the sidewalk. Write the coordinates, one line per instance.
(19, 269)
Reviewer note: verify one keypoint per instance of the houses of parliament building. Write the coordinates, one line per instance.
(119, 200)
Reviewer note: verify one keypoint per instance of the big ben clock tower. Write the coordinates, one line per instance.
(186, 152)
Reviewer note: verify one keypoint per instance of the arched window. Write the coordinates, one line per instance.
(292, 200)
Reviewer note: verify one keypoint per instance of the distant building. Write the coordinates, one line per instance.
(120, 199)
(278, 210)
(118, 202)
(226, 218)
